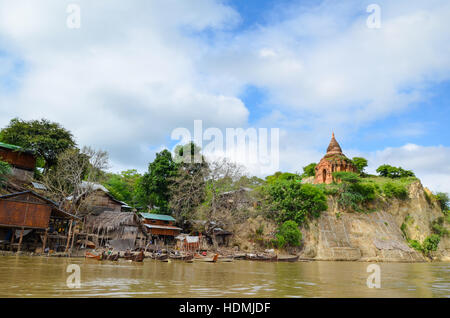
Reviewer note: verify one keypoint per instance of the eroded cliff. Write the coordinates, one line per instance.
(378, 235)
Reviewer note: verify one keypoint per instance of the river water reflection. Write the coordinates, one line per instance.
(46, 277)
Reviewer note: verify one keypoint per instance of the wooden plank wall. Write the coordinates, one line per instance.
(19, 159)
(23, 214)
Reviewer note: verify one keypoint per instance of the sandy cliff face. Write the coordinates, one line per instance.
(376, 236)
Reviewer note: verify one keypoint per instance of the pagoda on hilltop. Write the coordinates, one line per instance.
(333, 161)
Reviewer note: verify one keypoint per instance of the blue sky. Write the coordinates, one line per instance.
(135, 71)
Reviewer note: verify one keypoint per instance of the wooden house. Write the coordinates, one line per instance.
(119, 230)
(23, 162)
(160, 225)
(27, 213)
(187, 242)
(99, 200)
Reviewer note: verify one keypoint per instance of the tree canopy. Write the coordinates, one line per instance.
(154, 187)
(394, 172)
(46, 139)
(123, 186)
(309, 170)
(360, 164)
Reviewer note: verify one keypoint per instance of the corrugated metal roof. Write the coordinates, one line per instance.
(39, 186)
(161, 217)
(13, 147)
(85, 185)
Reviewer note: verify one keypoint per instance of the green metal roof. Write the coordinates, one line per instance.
(13, 147)
(161, 217)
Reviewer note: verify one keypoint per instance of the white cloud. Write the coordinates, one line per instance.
(122, 81)
(329, 63)
(132, 73)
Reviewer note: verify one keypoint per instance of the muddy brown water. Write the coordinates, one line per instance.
(22, 276)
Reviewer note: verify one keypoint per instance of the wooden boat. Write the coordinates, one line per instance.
(162, 257)
(113, 257)
(208, 260)
(261, 258)
(92, 255)
(128, 256)
(225, 259)
(138, 257)
(288, 258)
(188, 257)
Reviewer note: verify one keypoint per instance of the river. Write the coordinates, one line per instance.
(22, 276)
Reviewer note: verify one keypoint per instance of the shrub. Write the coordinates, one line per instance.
(289, 234)
(280, 241)
(294, 201)
(444, 200)
(354, 192)
(398, 191)
(5, 169)
(431, 243)
(437, 226)
(415, 245)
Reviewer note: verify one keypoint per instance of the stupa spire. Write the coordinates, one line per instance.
(333, 147)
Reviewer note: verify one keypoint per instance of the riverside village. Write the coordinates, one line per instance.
(57, 200)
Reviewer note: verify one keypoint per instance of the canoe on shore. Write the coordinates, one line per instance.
(288, 258)
(182, 257)
(261, 258)
(162, 257)
(94, 256)
(207, 259)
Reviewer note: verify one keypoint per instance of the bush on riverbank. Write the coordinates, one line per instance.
(288, 235)
(290, 200)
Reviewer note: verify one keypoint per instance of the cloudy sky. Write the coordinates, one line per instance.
(136, 70)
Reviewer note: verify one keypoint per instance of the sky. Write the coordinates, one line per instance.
(136, 70)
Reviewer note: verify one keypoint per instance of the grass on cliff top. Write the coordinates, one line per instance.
(381, 181)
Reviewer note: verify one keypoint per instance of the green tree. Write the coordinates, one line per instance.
(292, 200)
(289, 234)
(394, 172)
(154, 186)
(47, 139)
(360, 164)
(188, 190)
(123, 186)
(309, 170)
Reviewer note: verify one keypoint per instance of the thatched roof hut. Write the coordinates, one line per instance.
(119, 229)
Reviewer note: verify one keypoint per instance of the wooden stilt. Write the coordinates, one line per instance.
(45, 240)
(71, 244)
(20, 240)
(12, 239)
(68, 236)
